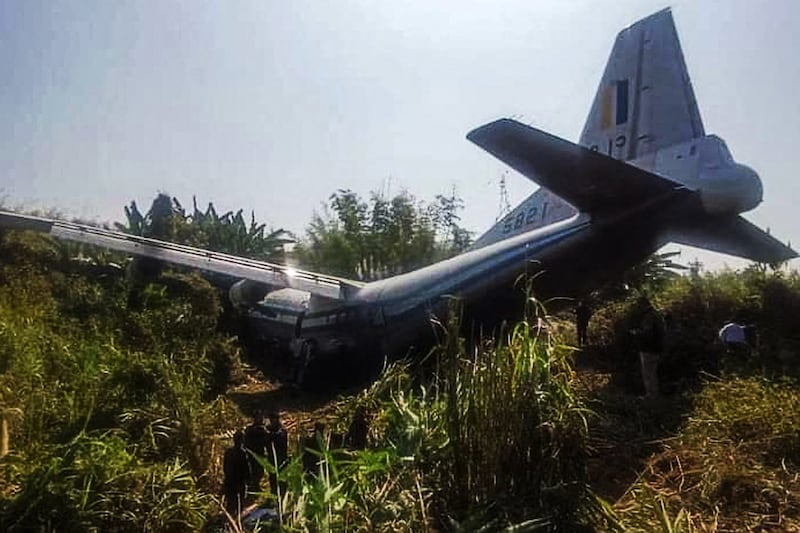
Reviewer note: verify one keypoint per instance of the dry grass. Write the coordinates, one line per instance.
(733, 465)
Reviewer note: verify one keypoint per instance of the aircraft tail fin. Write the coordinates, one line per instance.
(733, 236)
(645, 100)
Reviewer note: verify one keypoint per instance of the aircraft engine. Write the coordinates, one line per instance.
(245, 294)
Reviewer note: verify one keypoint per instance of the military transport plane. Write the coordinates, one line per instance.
(643, 174)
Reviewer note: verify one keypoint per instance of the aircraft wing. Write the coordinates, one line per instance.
(239, 267)
(733, 236)
(590, 181)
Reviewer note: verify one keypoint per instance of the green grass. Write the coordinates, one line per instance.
(494, 439)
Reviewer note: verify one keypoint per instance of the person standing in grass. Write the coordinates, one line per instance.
(358, 431)
(236, 471)
(277, 449)
(256, 441)
(733, 337)
(582, 316)
(649, 334)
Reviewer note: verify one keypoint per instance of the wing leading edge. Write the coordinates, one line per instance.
(590, 181)
(268, 273)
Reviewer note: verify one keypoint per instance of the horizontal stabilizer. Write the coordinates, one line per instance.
(588, 180)
(240, 267)
(734, 236)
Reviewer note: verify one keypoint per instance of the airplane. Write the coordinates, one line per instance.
(644, 173)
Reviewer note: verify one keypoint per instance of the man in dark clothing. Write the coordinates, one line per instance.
(582, 316)
(236, 470)
(256, 441)
(312, 446)
(277, 449)
(649, 332)
(357, 433)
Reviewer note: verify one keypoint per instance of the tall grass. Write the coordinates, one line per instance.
(517, 433)
(494, 438)
(111, 413)
(730, 463)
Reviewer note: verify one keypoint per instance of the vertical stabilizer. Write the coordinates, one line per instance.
(644, 103)
(645, 100)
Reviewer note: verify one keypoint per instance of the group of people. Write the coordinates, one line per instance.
(648, 331)
(241, 464)
(260, 442)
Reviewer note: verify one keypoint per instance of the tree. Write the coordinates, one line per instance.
(167, 220)
(381, 237)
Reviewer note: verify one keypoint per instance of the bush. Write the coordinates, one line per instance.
(108, 409)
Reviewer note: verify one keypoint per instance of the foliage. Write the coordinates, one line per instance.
(380, 488)
(494, 439)
(94, 481)
(373, 239)
(365, 490)
(695, 308)
(729, 463)
(113, 402)
(652, 275)
(168, 220)
(113, 409)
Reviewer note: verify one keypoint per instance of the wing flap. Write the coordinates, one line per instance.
(734, 236)
(240, 267)
(590, 181)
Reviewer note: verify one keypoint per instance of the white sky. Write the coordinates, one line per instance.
(273, 105)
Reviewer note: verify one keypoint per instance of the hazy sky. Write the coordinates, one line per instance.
(273, 105)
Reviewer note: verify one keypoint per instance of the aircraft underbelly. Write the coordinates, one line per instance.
(598, 254)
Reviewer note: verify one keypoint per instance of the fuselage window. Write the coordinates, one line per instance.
(693, 150)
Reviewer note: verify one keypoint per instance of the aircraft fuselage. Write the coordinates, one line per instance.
(387, 318)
